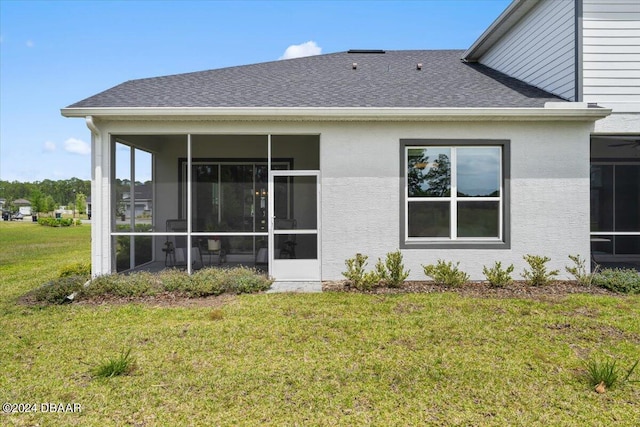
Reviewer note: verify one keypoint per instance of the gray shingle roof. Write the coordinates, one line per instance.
(383, 80)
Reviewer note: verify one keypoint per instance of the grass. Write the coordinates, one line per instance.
(123, 364)
(313, 359)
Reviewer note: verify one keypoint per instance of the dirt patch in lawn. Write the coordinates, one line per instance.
(164, 299)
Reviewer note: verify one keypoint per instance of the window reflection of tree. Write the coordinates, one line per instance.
(428, 179)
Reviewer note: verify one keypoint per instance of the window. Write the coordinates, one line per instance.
(454, 193)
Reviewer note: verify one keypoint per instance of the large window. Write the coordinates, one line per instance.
(454, 193)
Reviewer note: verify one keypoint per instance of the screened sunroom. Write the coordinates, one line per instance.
(193, 200)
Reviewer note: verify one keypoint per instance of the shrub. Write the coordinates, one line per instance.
(130, 285)
(445, 273)
(498, 277)
(538, 275)
(55, 222)
(121, 365)
(56, 291)
(392, 272)
(579, 270)
(174, 280)
(243, 280)
(75, 269)
(356, 275)
(205, 282)
(624, 281)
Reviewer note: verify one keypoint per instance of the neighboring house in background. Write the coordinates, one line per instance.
(23, 205)
(142, 201)
(584, 51)
(319, 158)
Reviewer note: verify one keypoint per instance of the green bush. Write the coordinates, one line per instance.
(538, 274)
(624, 281)
(56, 291)
(392, 272)
(496, 276)
(174, 280)
(202, 283)
(206, 282)
(579, 270)
(356, 275)
(55, 222)
(243, 280)
(75, 269)
(445, 273)
(130, 285)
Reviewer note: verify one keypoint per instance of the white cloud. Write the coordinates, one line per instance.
(77, 146)
(30, 43)
(49, 146)
(309, 48)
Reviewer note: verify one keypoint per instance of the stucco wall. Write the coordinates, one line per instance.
(549, 194)
(360, 196)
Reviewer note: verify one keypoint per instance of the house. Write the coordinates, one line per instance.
(303, 163)
(23, 206)
(142, 201)
(584, 51)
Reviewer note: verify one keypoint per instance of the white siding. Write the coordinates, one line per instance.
(540, 49)
(611, 52)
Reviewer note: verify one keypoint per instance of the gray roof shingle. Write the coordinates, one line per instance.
(382, 80)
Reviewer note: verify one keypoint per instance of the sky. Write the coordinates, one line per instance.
(54, 53)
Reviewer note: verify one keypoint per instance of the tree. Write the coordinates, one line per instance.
(428, 179)
(49, 204)
(37, 202)
(81, 203)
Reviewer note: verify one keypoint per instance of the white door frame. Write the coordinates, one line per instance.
(293, 269)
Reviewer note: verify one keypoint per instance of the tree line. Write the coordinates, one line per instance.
(47, 195)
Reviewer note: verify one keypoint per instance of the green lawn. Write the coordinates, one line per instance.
(315, 359)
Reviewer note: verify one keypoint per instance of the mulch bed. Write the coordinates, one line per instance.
(518, 289)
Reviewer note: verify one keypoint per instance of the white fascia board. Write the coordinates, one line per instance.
(563, 111)
(507, 19)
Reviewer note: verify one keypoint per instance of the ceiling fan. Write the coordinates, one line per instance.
(635, 143)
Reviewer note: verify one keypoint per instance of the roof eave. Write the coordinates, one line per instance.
(555, 111)
(511, 15)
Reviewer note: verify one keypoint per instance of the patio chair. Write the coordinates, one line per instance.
(176, 246)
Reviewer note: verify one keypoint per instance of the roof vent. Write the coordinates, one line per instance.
(365, 51)
(419, 66)
(354, 66)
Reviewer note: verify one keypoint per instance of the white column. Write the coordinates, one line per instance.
(101, 262)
